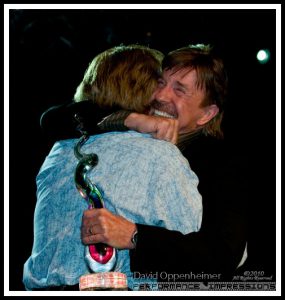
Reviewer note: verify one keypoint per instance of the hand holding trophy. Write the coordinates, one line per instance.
(100, 258)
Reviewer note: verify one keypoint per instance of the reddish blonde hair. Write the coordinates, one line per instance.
(125, 76)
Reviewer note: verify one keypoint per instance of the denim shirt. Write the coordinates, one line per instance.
(145, 180)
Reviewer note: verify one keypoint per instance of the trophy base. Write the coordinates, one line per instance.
(105, 281)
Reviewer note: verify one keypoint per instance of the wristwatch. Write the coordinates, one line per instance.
(134, 238)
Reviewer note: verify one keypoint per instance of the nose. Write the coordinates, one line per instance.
(163, 94)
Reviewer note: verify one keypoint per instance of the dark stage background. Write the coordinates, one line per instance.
(49, 52)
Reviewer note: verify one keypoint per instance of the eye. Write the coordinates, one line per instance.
(180, 90)
(161, 82)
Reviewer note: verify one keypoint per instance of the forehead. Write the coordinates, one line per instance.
(184, 76)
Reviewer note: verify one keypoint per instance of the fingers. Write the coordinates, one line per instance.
(94, 239)
(96, 226)
(174, 138)
(92, 229)
(95, 216)
(93, 224)
(166, 129)
(159, 127)
(101, 226)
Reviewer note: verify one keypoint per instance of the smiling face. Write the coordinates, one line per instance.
(178, 96)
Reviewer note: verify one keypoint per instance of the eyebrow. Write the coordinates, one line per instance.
(184, 86)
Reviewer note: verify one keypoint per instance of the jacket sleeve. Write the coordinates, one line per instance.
(217, 248)
(58, 122)
(161, 250)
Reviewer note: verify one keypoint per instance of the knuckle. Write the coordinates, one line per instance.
(104, 229)
(101, 219)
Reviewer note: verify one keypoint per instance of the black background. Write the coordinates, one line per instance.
(49, 52)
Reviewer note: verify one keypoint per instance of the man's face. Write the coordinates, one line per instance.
(177, 96)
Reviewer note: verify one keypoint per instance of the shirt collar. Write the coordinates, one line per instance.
(185, 139)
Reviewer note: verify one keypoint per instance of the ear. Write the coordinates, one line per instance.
(209, 112)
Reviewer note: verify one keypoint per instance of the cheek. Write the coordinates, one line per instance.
(155, 92)
(188, 116)
(185, 116)
(159, 92)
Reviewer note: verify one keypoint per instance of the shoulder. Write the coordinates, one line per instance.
(135, 140)
(132, 145)
(161, 150)
(210, 148)
(214, 158)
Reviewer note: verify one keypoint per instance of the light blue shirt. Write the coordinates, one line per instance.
(145, 180)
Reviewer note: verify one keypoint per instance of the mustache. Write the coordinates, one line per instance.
(156, 104)
(164, 106)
